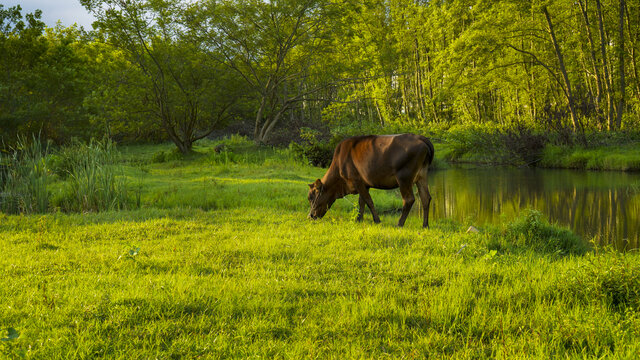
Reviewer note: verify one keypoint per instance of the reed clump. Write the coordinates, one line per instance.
(94, 180)
(80, 177)
(24, 179)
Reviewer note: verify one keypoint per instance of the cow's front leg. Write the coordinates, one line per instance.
(361, 204)
(363, 191)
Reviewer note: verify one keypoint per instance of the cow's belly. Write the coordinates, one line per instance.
(385, 183)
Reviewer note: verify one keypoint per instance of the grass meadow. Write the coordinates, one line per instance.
(214, 258)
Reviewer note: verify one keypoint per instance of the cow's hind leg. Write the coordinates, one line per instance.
(425, 196)
(406, 190)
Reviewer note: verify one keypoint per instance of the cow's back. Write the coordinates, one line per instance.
(376, 160)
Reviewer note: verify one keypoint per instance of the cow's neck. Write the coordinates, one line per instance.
(335, 183)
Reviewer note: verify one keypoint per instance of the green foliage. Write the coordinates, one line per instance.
(312, 150)
(164, 156)
(24, 178)
(170, 73)
(490, 143)
(46, 76)
(278, 49)
(89, 178)
(625, 157)
(237, 149)
(476, 142)
(530, 231)
(95, 182)
(235, 143)
(175, 70)
(608, 278)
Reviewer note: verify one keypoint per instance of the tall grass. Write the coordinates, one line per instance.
(91, 178)
(24, 180)
(625, 157)
(94, 181)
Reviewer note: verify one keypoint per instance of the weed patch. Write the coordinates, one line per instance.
(609, 279)
(530, 231)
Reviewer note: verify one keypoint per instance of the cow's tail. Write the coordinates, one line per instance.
(429, 159)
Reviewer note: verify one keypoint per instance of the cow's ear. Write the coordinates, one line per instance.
(311, 185)
(318, 184)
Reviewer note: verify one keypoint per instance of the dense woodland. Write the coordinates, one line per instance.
(153, 70)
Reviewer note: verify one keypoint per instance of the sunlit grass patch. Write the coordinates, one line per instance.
(220, 261)
(621, 158)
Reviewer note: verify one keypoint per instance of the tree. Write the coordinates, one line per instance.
(188, 94)
(44, 78)
(275, 46)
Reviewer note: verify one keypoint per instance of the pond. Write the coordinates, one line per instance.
(597, 205)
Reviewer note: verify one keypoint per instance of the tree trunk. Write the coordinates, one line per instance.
(258, 122)
(607, 78)
(418, 80)
(634, 63)
(434, 110)
(568, 92)
(621, 66)
(592, 52)
(270, 123)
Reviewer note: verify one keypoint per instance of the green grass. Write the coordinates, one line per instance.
(220, 261)
(624, 158)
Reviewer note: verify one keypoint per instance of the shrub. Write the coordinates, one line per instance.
(523, 144)
(159, 157)
(552, 155)
(234, 143)
(313, 151)
(475, 142)
(516, 144)
(164, 156)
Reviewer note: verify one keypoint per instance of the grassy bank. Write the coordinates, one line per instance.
(621, 158)
(219, 261)
(521, 146)
(607, 157)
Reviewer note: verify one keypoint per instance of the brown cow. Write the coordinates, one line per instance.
(380, 162)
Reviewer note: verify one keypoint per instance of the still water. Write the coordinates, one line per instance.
(599, 206)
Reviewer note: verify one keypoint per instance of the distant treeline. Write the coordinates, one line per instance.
(179, 70)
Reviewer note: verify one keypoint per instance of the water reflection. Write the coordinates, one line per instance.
(604, 206)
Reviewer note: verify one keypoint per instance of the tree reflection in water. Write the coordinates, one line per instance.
(603, 206)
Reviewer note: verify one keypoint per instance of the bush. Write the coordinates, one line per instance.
(516, 144)
(164, 156)
(523, 144)
(476, 143)
(234, 143)
(311, 150)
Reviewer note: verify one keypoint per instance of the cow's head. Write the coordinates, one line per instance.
(320, 199)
